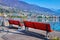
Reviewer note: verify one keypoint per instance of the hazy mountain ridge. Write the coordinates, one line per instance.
(25, 6)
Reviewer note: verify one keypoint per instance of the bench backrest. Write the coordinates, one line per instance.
(15, 22)
(28, 24)
(37, 25)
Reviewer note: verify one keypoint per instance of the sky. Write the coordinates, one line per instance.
(52, 4)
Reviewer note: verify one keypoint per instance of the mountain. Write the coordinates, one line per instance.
(25, 6)
(58, 10)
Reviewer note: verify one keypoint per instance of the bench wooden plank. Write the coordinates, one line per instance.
(40, 26)
(37, 25)
(15, 22)
(28, 24)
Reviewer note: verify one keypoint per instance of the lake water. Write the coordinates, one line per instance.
(55, 26)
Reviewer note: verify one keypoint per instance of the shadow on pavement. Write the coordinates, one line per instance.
(33, 34)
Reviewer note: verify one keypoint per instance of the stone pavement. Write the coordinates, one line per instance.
(32, 34)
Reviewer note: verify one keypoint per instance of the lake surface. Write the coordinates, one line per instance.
(55, 26)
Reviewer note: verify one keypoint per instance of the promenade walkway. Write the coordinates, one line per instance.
(32, 34)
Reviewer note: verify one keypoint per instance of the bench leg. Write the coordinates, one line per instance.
(26, 28)
(19, 28)
(10, 26)
(0, 31)
(47, 34)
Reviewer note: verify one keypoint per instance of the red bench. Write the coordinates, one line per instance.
(15, 22)
(37, 25)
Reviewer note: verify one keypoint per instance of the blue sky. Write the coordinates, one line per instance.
(52, 4)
